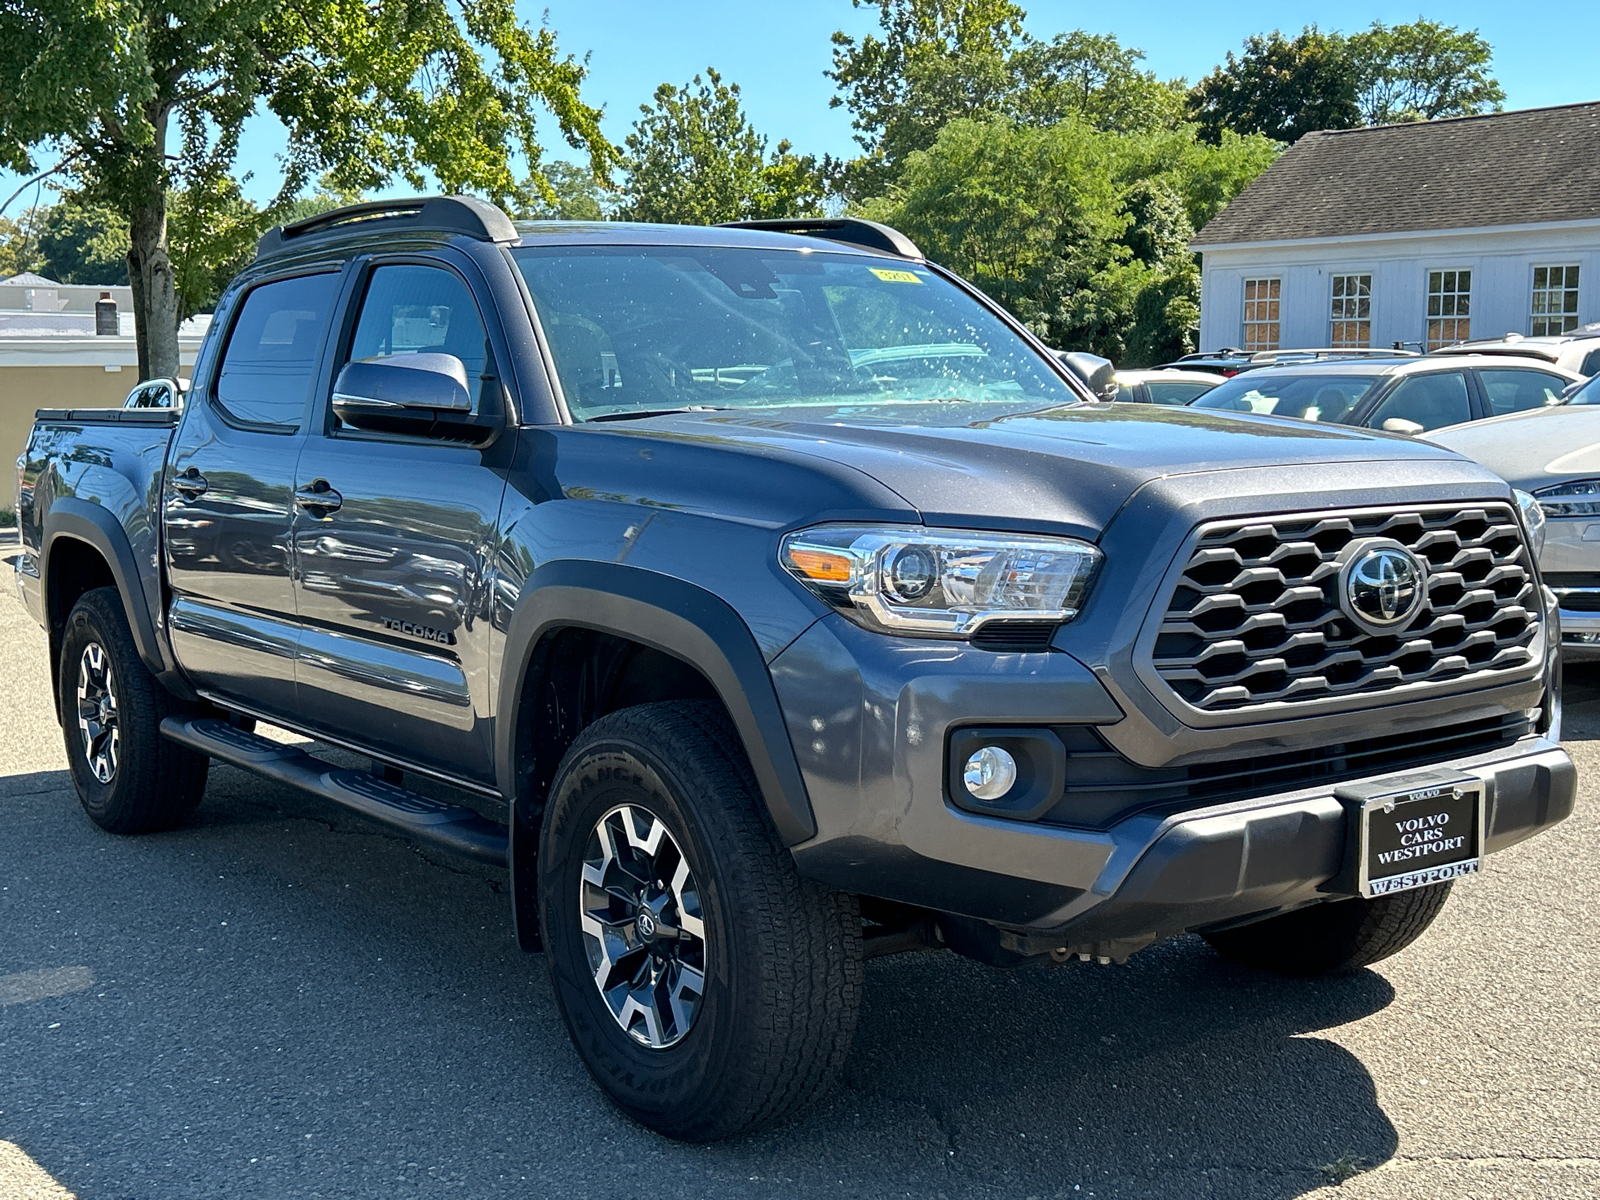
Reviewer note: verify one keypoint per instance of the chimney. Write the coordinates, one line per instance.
(105, 316)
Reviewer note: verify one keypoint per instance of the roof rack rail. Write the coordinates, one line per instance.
(1323, 354)
(446, 214)
(853, 231)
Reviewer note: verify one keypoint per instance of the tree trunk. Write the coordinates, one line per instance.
(155, 301)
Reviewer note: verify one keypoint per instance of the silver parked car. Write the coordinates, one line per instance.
(1553, 453)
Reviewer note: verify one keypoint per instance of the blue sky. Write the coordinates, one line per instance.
(776, 51)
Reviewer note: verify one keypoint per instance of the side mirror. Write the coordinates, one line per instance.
(418, 394)
(1401, 425)
(1097, 373)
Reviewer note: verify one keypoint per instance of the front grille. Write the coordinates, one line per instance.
(1578, 591)
(1255, 620)
(1104, 788)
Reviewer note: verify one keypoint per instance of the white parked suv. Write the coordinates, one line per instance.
(1577, 351)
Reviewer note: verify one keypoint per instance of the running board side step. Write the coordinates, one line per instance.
(452, 827)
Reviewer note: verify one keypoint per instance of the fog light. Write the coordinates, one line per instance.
(990, 773)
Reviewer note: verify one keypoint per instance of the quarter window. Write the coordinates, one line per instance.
(1261, 301)
(1352, 312)
(1555, 300)
(1449, 307)
(272, 350)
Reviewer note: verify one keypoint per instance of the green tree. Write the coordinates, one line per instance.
(1081, 233)
(142, 97)
(1095, 77)
(575, 195)
(19, 242)
(694, 159)
(212, 234)
(1030, 215)
(1281, 87)
(84, 242)
(1421, 72)
(939, 60)
(936, 61)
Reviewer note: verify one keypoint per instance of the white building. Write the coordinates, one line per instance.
(1416, 235)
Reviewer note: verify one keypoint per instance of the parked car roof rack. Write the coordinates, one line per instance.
(1272, 358)
(852, 231)
(445, 214)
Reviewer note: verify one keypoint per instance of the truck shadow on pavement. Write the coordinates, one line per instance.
(285, 991)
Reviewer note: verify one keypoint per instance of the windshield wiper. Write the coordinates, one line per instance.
(655, 412)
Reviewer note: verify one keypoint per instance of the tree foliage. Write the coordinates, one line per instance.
(1094, 77)
(1287, 88)
(19, 242)
(936, 61)
(1281, 87)
(695, 159)
(83, 242)
(143, 97)
(575, 195)
(1082, 233)
(1421, 72)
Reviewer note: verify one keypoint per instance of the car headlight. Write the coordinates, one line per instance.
(1533, 516)
(1580, 498)
(940, 582)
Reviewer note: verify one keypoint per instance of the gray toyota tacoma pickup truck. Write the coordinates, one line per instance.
(764, 598)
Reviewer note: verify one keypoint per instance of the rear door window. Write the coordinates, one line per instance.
(1518, 389)
(272, 350)
(1175, 392)
(1431, 401)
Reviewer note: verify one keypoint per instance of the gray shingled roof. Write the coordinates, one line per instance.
(1540, 164)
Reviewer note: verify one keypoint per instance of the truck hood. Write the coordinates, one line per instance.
(1070, 467)
(1535, 449)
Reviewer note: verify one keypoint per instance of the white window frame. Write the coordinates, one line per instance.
(1539, 309)
(1345, 309)
(1253, 317)
(1458, 322)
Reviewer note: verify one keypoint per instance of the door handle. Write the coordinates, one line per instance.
(318, 498)
(190, 483)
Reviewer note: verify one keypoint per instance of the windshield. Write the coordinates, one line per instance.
(1589, 393)
(645, 328)
(1310, 397)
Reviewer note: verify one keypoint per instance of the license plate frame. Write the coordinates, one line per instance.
(1408, 816)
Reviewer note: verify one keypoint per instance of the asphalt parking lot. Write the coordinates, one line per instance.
(284, 1001)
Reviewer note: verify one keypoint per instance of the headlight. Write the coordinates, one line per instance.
(1533, 516)
(1580, 498)
(940, 582)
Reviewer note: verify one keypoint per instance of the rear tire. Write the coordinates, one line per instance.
(1336, 937)
(744, 1009)
(129, 778)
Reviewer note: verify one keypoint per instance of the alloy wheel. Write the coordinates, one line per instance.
(98, 724)
(643, 928)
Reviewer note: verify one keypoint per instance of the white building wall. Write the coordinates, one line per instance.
(1501, 262)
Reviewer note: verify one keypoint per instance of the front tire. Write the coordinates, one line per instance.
(128, 777)
(1336, 937)
(706, 986)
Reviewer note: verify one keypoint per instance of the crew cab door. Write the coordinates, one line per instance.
(394, 536)
(228, 493)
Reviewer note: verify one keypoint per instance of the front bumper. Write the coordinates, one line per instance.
(1580, 636)
(869, 715)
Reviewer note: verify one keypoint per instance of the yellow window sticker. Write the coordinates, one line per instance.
(894, 276)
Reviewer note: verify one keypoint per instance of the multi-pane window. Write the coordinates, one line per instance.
(1352, 312)
(1449, 307)
(1555, 300)
(1261, 299)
